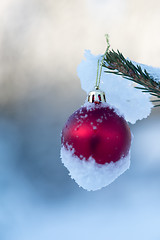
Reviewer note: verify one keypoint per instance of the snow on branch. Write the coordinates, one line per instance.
(116, 63)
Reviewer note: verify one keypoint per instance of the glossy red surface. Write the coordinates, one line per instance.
(99, 133)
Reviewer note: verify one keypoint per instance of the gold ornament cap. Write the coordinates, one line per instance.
(96, 96)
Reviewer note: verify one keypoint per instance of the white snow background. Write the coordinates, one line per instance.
(41, 44)
(127, 209)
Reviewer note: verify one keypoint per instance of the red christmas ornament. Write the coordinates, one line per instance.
(96, 130)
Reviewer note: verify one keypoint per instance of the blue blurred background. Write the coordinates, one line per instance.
(41, 45)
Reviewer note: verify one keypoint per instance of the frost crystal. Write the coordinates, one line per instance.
(132, 103)
(90, 175)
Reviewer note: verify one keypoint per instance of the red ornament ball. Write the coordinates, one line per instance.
(97, 131)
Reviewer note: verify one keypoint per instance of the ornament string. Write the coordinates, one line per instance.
(99, 72)
(97, 85)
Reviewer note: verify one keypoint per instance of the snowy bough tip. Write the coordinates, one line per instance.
(90, 175)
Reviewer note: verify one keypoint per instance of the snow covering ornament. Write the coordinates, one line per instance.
(96, 139)
(96, 142)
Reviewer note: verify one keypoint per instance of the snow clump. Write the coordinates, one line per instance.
(91, 175)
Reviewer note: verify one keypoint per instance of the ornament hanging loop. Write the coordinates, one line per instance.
(99, 71)
(98, 96)
(97, 82)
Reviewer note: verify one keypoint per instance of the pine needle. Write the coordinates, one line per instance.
(116, 63)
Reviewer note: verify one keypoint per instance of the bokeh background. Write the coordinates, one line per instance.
(41, 45)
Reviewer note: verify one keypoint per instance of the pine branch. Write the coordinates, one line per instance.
(117, 64)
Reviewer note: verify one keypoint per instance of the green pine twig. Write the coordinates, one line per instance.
(116, 63)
